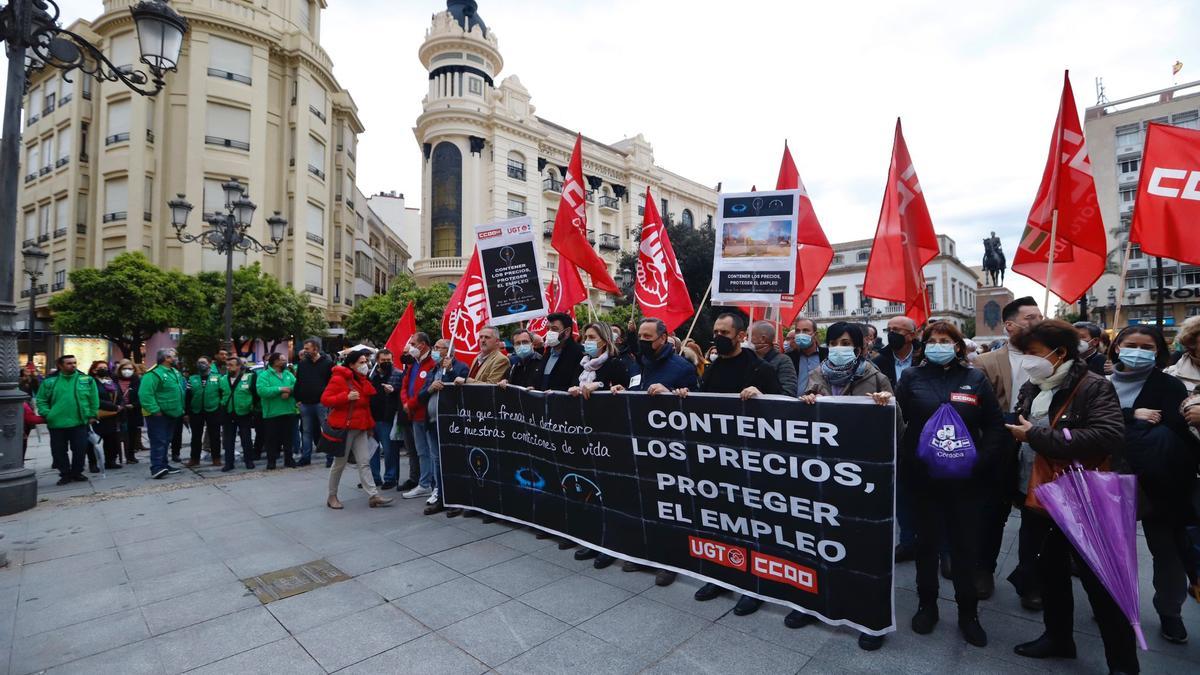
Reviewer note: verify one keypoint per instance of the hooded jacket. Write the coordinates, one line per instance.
(344, 413)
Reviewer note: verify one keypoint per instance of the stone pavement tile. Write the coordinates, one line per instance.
(679, 595)
(407, 578)
(146, 532)
(168, 562)
(475, 556)
(360, 636)
(644, 626)
(522, 539)
(552, 554)
(520, 575)
(719, 651)
(873, 663)
(138, 658)
(83, 540)
(215, 639)
(186, 610)
(379, 553)
(449, 602)
(37, 615)
(634, 582)
(283, 657)
(767, 624)
(575, 599)
(321, 606)
(575, 651)
(428, 655)
(231, 515)
(62, 568)
(151, 548)
(188, 580)
(8, 616)
(476, 525)
(57, 647)
(433, 540)
(255, 561)
(503, 632)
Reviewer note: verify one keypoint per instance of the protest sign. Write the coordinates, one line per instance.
(783, 501)
(754, 261)
(512, 278)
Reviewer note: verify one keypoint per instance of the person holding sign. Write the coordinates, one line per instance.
(949, 505)
(448, 370)
(735, 371)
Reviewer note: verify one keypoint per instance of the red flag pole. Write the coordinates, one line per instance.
(1050, 264)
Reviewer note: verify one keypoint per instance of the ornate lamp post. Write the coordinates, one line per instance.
(34, 260)
(29, 30)
(226, 234)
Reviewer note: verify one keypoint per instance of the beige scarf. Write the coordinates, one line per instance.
(1041, 403)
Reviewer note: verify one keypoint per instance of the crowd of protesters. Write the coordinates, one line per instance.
(1051, 390)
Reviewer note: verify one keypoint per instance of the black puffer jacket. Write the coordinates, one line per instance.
(925, 388)
(1163, 455)
(1094, 419)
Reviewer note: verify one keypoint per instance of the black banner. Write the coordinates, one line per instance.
(784, 501)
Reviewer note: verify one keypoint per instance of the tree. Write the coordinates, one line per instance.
(375, 317)
(126, 302)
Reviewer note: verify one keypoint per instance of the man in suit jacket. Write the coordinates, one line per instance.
(806, 354)
(1003, 366)
(491, 365)
(561, 362)
(900, 352)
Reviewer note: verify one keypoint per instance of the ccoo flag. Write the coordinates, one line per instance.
(1167, 208)
(562, 294)
(813, 252)
(466, 313)
(1067, 192)
(661, 292)
(405, 328)
(570, 225)
(904, 239)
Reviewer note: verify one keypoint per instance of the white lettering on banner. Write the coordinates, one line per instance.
(791, 431)
(797, 507)
(803, 542)
(1190, 190)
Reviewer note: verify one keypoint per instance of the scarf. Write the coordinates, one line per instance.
(590, 366)
(1187, 369)
(1041, 403)
(1129, 382)
(840, 376)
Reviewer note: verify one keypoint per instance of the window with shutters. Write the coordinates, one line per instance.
(1130, 134)
(516, 206)
(65, 141)
(33, 161)
(314, 278)
(33, 106)
(316, 224)
(47, 155)
(316, 100)
(316, 158)
(116, 199)
(44, 222)
(148, 199)
(229, 60)
(122, 51)
(62, 217)
(304, 21)
(30, 227)
(118, 122)
(227, 127)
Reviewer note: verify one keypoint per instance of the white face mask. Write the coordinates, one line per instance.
(127, 373)
(746, 344)
(552, 339)
(1038, 368)
(414, 352)
(362, 368)
(1084, 346)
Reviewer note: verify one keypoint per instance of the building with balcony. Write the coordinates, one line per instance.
(1115, 133)
(488, 156)
(951, 285)
(255, 99)
(401, 218)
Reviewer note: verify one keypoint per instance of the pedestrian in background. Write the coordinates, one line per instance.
(161, 393)
(384, 404)
(68, 400)
(130, 419)
(348, 398)
(107, 425)
(237, 411)
(449, 369)
(275, 385)
(416, 375)
(204, 411)
(313, 369)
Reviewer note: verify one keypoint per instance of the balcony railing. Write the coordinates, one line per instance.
(893, 308)
(548, 230)
(80, 228)
(837, 311)
(31, 119)
(316, 172)
(226, 75)
(116, 138)
(349, 202)
(64, 100)
(610, 242)
(353, 156)
(60, 232)
(30, 177)
(226, 143)
(83, 157)
(315, 290)
(607, 202)
(316, 238)
(591, 195)
(28, 242)
(47, 110)
(45, 170)
(513, 213)
(147, 216)
(348, 257)
(591, 235)
(58, 286)
(552, 185)
(149, 136)
(517, 172)
(39, 289)
(115, 216)
(43, 238)
(337, 197)
(61, 162)
(314, 110)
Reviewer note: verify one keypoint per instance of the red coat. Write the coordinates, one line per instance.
(337, 398)
(415, 377)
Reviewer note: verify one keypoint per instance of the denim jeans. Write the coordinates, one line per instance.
(75, 439)
(311, 417)
(160, 429)
(425, 438)
(388, 452)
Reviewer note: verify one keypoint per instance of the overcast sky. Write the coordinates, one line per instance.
(716, 87)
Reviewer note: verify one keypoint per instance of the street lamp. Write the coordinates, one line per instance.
(34, 260)
(30, 33)
(226, 233)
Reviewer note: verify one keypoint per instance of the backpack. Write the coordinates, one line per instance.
(946, 447)
(257, 402)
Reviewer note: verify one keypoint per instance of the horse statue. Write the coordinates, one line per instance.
(994, 262)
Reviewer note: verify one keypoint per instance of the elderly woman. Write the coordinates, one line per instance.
(348, 397)
(1187, 370)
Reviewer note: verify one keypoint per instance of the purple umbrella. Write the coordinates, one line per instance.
(1097, 511)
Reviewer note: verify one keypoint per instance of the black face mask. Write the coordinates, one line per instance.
(407, 359)
(646, 348)
(895, 341)
(386, 367)
(102, 372)
(725, 345)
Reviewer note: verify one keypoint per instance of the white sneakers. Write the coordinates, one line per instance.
(433, 497)
(417, 492)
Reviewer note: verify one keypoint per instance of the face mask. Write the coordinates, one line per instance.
(746, 344)
(436, 356)
(646, 347)
(1037, 368)
(362, 368)
(841, 355)
(940, 354)
(1135, 358)
(524, 350)
(591, 347)
(804, 340)
(724, 345)
(895, 340)
(552, 339)
(414, 352)
(385, 365)
(203, 368)
(102, 372)
(127, 373)
(788, 347)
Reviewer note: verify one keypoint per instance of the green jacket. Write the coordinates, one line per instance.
(204, 393)
(269, 383)
(68, 400)
(162, 391)
(238, 400)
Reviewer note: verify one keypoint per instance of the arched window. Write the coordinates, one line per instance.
(446, 196)
(685, 218)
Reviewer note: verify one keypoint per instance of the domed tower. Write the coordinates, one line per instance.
(463, 60)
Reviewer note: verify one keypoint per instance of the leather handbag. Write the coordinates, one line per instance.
(333, 441)
(1048, 470)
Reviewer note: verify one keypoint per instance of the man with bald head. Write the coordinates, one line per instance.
(898, 352)
(762, 336)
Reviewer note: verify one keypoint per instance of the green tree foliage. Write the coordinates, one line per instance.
(125, 303)
(375, 317)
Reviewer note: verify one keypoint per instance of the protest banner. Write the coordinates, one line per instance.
(783, 501)
(511, 276)
(754, 261)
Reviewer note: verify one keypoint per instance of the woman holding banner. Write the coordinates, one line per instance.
(847, 371)
(948, 505)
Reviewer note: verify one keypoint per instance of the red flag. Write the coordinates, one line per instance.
(1167, 206)
(570, 225)
(405, 327)
(813, 252)
(1080, 245)
(904, 239)
(661, 291)
(564, 291)
(466, 313)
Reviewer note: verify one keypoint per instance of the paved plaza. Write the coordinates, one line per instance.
(128, 575)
